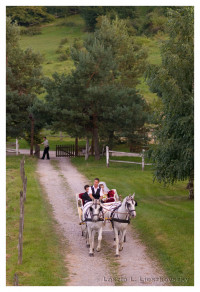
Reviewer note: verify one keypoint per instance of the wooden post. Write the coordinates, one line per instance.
(17, 147)
(16, 281)
(76, 146)
(107, 156)
(37, 151)
(24, 188)
(143, 159)
(22, 172)
(21, 223)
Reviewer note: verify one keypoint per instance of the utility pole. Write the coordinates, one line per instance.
(32, 133)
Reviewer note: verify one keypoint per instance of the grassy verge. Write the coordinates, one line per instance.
(165, 217)
(43, 248)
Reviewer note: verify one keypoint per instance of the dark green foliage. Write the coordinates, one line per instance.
(33, 30)
(23, 82)
(28, 15)
(173, 82)
(91, 13)
(62, 11)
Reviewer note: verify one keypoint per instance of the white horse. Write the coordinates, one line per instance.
(120, 218)
(94, 218)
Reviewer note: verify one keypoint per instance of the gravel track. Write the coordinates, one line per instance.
(135, 267)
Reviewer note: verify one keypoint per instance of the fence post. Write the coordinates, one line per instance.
(87, 149)
(24, 187)
(16, 281)
(143, 159)
(21, 223)
(17, 147)
(107, 156)
(22, 172)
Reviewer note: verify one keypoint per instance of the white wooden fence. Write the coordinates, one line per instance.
(118, 153)
(12, 150)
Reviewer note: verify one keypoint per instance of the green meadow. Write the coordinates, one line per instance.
(165, 215)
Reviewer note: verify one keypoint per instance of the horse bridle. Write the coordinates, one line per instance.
(93, 215)
(127, 206)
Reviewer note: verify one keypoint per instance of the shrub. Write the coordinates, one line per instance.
(63, 57)
(63, 41)
(33, 30)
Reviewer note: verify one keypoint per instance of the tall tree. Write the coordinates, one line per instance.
(173, 82)
(23, 82)
(93, 97)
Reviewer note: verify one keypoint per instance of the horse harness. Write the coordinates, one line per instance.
(92, 216)
(127, 220)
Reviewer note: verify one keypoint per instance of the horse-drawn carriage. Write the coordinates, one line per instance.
(94, 215)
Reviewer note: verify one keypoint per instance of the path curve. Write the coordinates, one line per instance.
(61, 183)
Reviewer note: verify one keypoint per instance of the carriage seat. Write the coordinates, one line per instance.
(80, 197)
(111, 198)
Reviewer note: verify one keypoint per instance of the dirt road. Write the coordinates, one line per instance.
(61, 181)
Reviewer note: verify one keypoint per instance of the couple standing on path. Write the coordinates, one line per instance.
(46, 148)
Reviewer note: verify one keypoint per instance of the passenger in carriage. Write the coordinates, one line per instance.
(95, 192)
(105, 193)
(85, 197)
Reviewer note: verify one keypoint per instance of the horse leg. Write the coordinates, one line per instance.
(117, 241)
(87, 239)
(90, 241)
(99, 239)
(122, 239)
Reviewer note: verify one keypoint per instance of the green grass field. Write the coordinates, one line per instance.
(48, 42)
(43, 261)
(165, 215)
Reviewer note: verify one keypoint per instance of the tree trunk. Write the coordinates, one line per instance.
(131, 147)
(110, 140)
(190, 187)
(92, 144)
(76, 146)
(32, 136)
(96, 138)
(87, 149)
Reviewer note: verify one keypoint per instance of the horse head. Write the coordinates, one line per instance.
(130, 205)
(96, 210)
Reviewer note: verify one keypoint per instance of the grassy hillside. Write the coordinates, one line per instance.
(72, 28)
(165, 216)
(48, 42)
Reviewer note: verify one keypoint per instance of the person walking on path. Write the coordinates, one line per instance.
(46, 148)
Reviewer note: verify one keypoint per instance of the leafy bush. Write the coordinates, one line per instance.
(63, 41)
(59, 49)
(78, 44)
(33, 30)
(64, 55)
